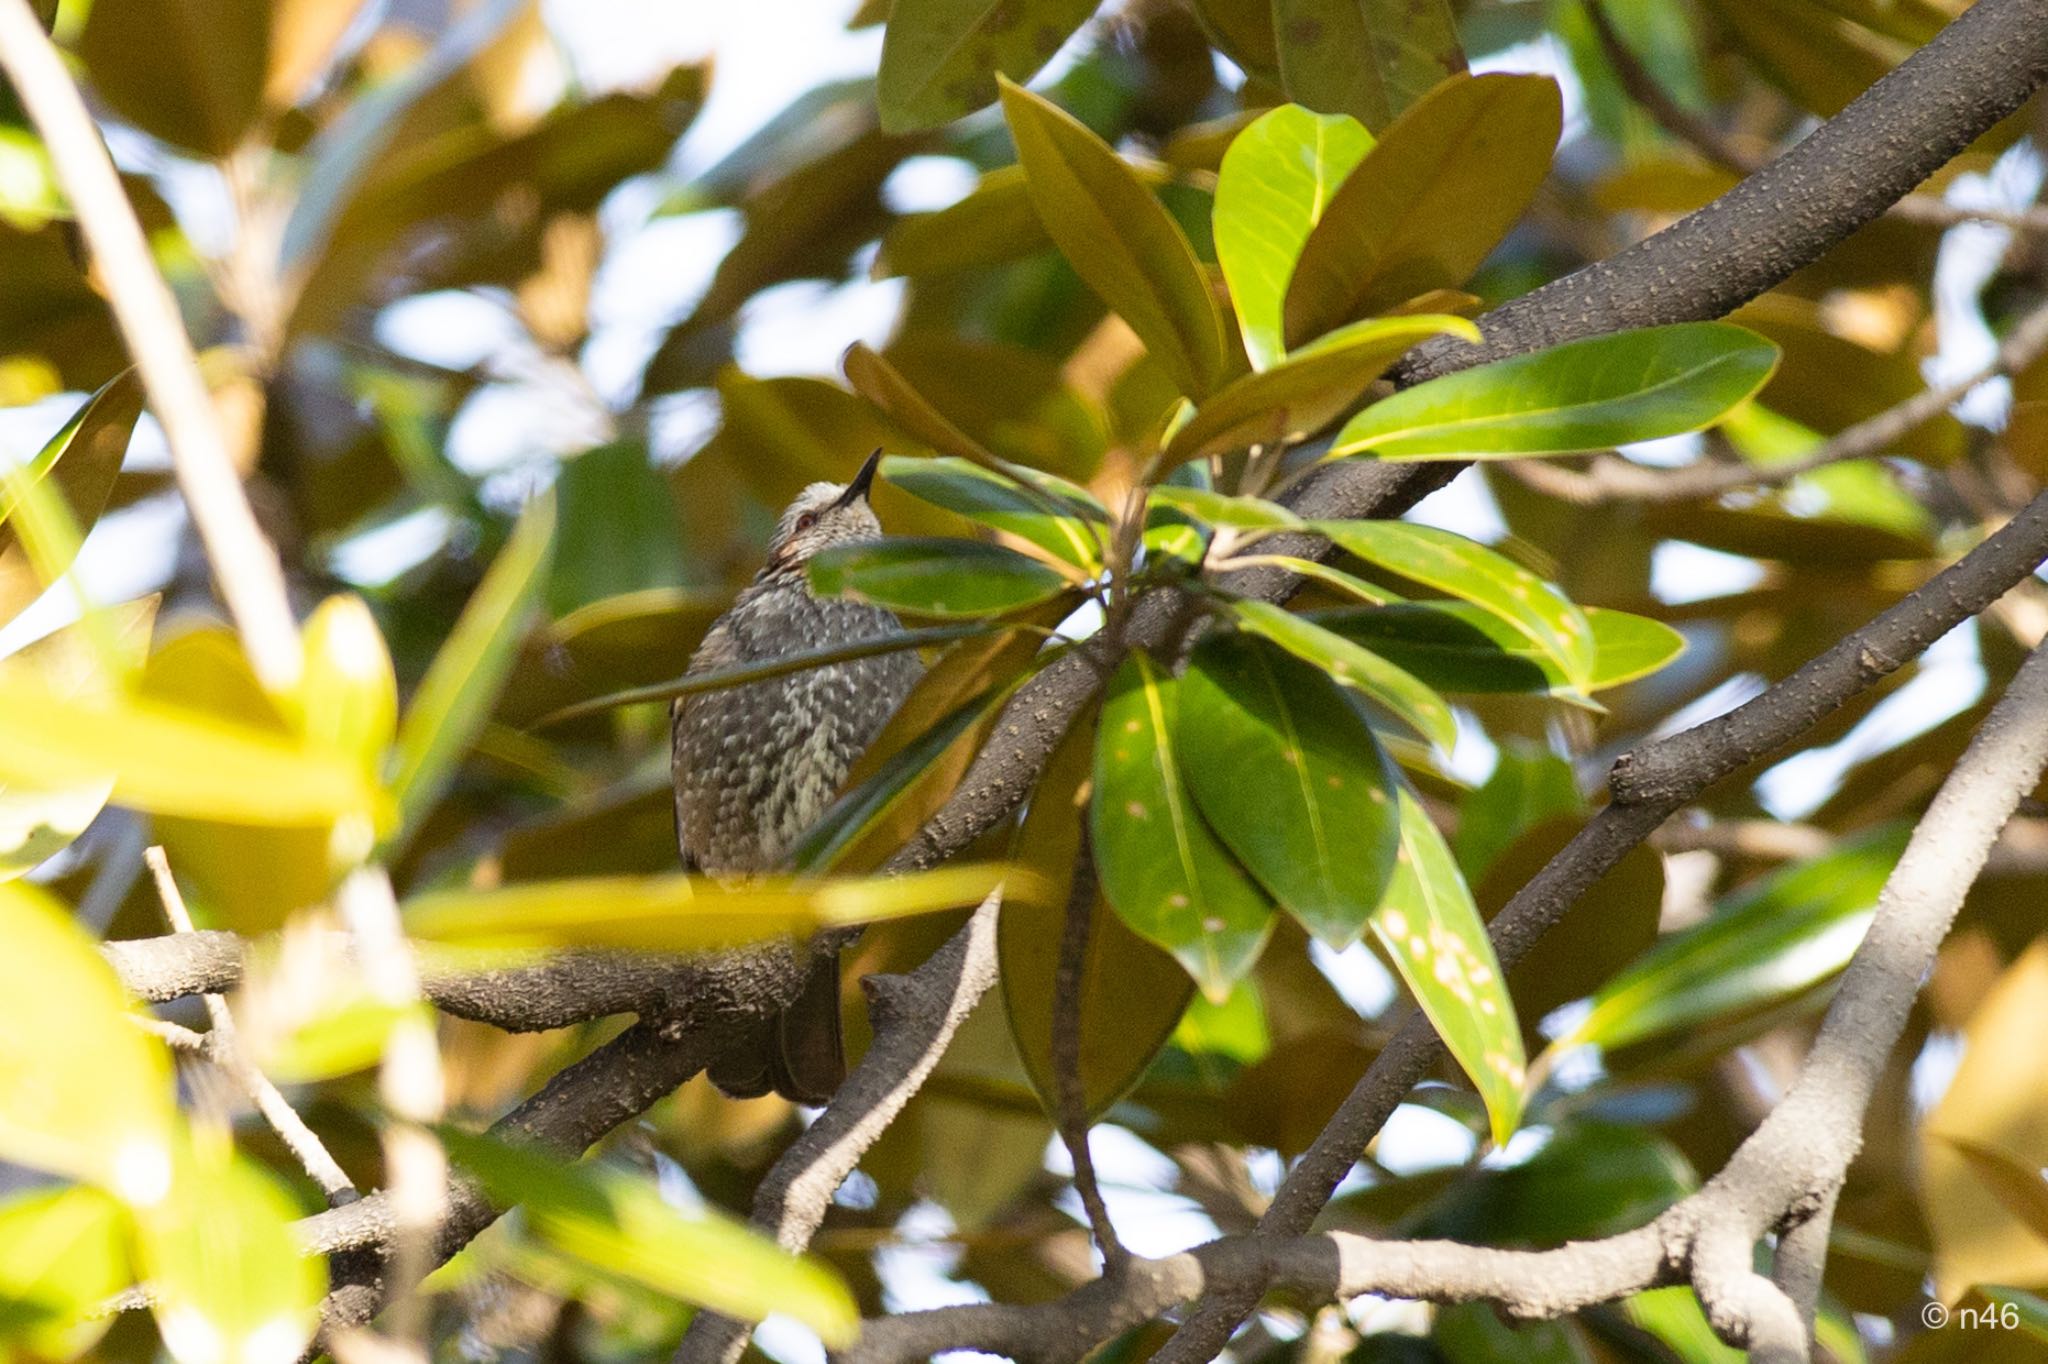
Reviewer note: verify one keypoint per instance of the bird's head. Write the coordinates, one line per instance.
(824, 515)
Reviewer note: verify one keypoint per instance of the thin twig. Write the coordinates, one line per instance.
(223, 1047)
(1611, 479)
(245, 566)
(1066, 1052)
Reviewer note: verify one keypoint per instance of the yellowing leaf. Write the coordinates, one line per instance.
(347, 697)
(80, 462)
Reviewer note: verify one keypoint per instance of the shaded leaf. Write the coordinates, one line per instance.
(1132, 994)
(1068, 526)
(1438, 191)
(1287, 773)
(1368, 58)
(622, 1225)
(2016, 1184)
(1432, 933)
(1271, 190)
(615, 531)
(188, 71)
(1528, 785)
(1119, 239)
(1584, 395)
(455, 697)
(1162, 868)
(935, 577)
(940, 58)
(1391, 686)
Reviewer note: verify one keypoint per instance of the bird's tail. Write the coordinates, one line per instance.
(797, 1053)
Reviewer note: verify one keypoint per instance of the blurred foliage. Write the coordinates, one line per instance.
(1183, 262)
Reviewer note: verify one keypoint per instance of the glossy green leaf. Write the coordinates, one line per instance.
(1401, 692)
(1222, 509)
(63, 1252)
(1584, 395)
(615, 528)
(1120, 240)
(1076, 533)
(1304, 392)
(80, 462)
(1367, 58)
(1315, 570)
(1271, 189)
(1458, 647)
(455, 698)
(1463, 568)
(1287, 773)
(172, 760)
(1628, 646)
(37, 822)
(1164, 871)
(83, 1091)
(935, 577)
(940, 58)
(1590, 1180)
(678, 913)
(1772, 940)
(1437, 193)
(1132, 994)
(228, 1281)
(1432, 933)
(621, 1224)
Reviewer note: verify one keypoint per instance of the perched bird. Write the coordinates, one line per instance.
(755, 765)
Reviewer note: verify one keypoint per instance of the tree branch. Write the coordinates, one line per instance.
(1072, 1102)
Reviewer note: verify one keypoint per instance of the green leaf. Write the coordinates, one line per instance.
(940, 58)
(172, 760)
(1459, 647)
(1590, 1180)
(935, 577)
(188, 71)
(677, 913)
(1432, 198)
(1271, 190)
(1317, 571)
(227, 1278)
(1303, 393)
(1528, 786)
(1770, 941)
(63, 1252)
(1120, 240)
(1410, 699)
(1132, 995)
(1584, 395)
(455, 698)
(1287, 773)
(83, 1091)
(81, 461)
(993, 224)
(1164, 871)
(621, 1224)
(1222, 509)
(1368, 58)
(1075, 535)
(1432, 933)
(37, 822)
(1465, 569)
(616, 530)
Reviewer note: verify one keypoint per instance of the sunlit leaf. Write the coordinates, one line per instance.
(1222, 509)
(228, 1282)
(940, 58)
(1162, 867)
(1274, 183)
(1463, 568)
(678, 913)
(1785, 934)
(935, 577)
(1432, 933)
(621, 1224)
(1302, 393)
(347, 696)
(1438, 191)
(81, 462)
(1287, 773)
(1583, 395)
(1119, 239)
(455, 698)
(63, 1252)
(1402, 693)
(1066, 526)
(1131, 993)
(1459, 647)
(1368, 58)
(83, 1091)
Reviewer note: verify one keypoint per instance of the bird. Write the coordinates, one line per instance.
(755, 765)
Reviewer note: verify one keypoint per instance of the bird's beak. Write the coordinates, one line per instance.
(857, 491)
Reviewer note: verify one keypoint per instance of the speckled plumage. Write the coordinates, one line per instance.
(756, 765)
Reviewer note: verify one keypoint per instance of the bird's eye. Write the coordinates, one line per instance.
(807, 520)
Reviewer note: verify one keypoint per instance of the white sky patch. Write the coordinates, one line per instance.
(377, 556)
(1463, 505)
(454, 329)
(1417, 1139)
(1357, 976)
(1726, 697)
(925, 184)
(1681, 572)
(803, 327)
(651, 277)
(127, 555)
